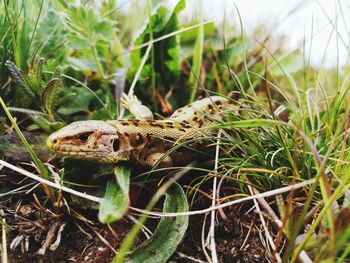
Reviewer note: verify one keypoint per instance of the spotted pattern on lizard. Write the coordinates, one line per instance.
(142, 140)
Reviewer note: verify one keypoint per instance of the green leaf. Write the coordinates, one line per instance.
(166, 52)
(87, 26)
(189, 37)
(15, 73)
(87, 177)
(74, 100)
(50, 96)
(169, 232)
(115, 204)
(20, 78)
(45, 124)
(23, 37)
(77, 42)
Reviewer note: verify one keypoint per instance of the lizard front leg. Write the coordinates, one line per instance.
(134, 105)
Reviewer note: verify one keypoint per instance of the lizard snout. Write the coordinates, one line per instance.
(51, 141)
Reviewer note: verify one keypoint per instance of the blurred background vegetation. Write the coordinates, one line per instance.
(71, 57)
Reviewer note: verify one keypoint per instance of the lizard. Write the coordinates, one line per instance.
(142, 140)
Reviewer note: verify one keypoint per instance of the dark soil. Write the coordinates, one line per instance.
(35, 225)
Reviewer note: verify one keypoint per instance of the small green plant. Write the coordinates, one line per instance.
(43, 94)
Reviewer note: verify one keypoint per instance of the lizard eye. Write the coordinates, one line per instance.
(84, 137)
(115, 145)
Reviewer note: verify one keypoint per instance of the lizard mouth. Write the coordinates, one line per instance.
(76, 150)
(68, 149)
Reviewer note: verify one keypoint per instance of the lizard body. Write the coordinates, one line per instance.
(141, 140)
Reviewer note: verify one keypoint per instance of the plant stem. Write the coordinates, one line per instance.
(97, 61)
(104, 83)
(150, 29)
(14, 44)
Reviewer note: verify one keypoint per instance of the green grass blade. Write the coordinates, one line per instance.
(253, 123)
(13, 38)
(197, 58)
(35, 27)
(150, 32)
(41, 167)
(23, 36)
(244, 50)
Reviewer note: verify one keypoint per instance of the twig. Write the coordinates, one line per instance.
(16, 241)
(247, 236)
(49, 183)
(138, 72)
(190, 213)
(4, 243)
(238, 201)
(48, 239)
(214, 255)
(303, 257)
(104, 241)
(168, 35)
(262, 219)
(146, 231)
(17, 190)
(57, 242)
(189, 258)
(203, 242)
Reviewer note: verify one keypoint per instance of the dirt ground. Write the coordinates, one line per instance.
(80, 238)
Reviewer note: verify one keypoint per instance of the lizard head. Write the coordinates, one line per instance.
(97, 141)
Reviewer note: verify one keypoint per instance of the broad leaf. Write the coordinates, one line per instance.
(74, 100)
(166, 52)
(86, 26)
(115, 204)
(169, 232)
(77, 42)
(41, 122)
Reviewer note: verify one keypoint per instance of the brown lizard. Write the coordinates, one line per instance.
(142, 140)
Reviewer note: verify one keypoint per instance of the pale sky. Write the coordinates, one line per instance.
(322, 17)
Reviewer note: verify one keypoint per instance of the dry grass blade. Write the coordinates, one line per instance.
(49, 183)
(227, 204)
(214, 256)
(137, 75)
(169, 35)
(262, 219)
(4, 258)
